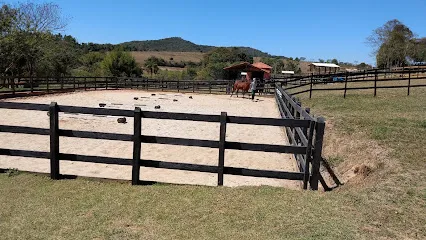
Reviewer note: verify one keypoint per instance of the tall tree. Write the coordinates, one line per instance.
(120, 63)
(25, 29)
(391, 44)
(152, 65)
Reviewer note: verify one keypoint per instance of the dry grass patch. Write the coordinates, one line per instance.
(196, 57)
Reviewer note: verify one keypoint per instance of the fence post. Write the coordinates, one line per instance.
(375, 82)
(297, 116)
(346, 84)
(85, 84)
(293, 115)
(210, 86)
(316, 161)
(137, 141)
(409, 81)
(222, 138)
(54, 141)
(62, 83)
(116, 82)
(13, 85)
(310, 88)
(308, 154)
(305, 129)
(178, 84)
(106, 83)
(47, 84)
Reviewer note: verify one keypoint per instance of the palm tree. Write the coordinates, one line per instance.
(152, 65)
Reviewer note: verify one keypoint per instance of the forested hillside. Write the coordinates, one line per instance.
(173, 44)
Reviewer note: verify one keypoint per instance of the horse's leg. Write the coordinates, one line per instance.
(232, 91)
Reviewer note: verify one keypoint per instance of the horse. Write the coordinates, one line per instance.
(244, 85)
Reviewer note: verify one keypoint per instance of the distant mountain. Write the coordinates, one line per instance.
(177, 44)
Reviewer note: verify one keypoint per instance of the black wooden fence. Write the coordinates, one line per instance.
(370, 80)
(312, 137)
(306, 136)
(16, 86)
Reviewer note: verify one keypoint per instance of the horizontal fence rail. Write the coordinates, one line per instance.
(17, 86)
(310, 136)
(348, 81)
(138, 138)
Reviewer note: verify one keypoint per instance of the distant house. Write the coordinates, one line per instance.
(249, 71)
(323, 68)
(266, 68)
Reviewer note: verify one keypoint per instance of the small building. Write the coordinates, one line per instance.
(265, 67)
(323, 68)
(249, 71)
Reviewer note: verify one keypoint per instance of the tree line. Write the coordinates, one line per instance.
(31, 44)
(210, 68)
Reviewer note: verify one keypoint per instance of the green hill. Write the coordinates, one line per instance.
(177, 44)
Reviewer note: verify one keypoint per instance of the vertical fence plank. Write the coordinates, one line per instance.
(62, 83)
(346, 84)
(54, 141)
(308, 154)
(31, 84)
(106, 83)
(137, 131)
(293, 115)
(375, 82)
(316, 161)
(305, 129)
(210, 86)
(13, 84)
(311, 85)
(297, 116)
(47, 84)
(409, 81)
(222, 139)
(85, 84)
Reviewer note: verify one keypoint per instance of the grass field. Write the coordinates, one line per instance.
(196, 57)
(385, 134)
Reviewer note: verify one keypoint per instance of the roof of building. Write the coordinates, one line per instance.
(262, 65)
(287, 72)
(246, 67)
(330, 65)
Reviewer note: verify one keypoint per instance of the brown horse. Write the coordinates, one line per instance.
(244, 85)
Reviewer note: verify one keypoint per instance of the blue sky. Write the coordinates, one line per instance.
(312, 29)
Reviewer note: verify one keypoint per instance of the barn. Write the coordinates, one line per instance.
(257, 70)
(323, 68)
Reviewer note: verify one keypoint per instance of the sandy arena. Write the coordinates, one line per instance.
(204, 104)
